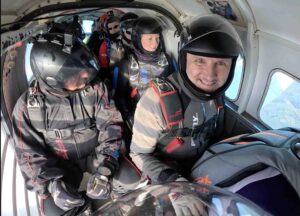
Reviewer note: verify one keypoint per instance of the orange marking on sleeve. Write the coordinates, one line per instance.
(203, 180)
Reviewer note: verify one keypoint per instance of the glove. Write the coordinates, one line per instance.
(64, 197)
(187, 204)
(98, 187)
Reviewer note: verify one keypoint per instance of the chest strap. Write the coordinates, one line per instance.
(37, 113)
(68, 132)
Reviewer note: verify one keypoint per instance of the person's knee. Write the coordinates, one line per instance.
(48, 207)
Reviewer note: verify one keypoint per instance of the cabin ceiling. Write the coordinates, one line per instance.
(275, 17)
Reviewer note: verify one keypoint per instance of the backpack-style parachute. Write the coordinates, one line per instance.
(268, 163)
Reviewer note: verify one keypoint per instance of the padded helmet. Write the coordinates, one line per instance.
(145, 25)
(210, 36)
(55, 58)
(127, 20)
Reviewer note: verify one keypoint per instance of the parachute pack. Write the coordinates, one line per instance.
(256, 158)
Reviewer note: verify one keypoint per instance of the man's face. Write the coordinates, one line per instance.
(77, 81)
(206, 73)
(150, 42)
(113, 27)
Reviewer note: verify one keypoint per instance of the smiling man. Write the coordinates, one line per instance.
(180, 116)
(207, 73)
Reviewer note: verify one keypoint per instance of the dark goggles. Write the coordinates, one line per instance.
(113, 27)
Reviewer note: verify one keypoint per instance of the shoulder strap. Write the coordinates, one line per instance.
(169, 101)
(115, 79)
(219, 103)
(88, 100)
(108, 46)
(36, 108)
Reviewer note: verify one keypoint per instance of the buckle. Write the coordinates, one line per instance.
(58, 133)
(184, 132)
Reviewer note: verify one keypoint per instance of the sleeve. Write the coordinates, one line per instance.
(37, 164)
(109, 123)
(147, 128)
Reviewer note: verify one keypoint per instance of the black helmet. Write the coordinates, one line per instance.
(55, 58)
(145, 25)
(75, 18)
(210, 36)
(127, 20)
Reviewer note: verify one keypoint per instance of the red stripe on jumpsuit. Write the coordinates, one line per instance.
(62, 150)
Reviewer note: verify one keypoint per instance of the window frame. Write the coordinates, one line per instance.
(241, 82)
(271, 74)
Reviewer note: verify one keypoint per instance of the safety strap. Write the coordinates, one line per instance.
(65, 133)
(169, 101)
(115, 80)
(219, 124)
(108, 47)
(174, 65)
(35, 107)
(172, 109)
(37, 113)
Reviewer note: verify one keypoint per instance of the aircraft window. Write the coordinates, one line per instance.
(281, 104)
(28, 70)
(234, 89)
(87, 27)
(244, 210)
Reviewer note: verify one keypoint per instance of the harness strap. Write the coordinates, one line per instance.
(179, 132)
(134, 92)
(219, 124)
(37, 113)
(169, 101)
(65, 133)
(176, 143)
(35, 107)
(115, 78)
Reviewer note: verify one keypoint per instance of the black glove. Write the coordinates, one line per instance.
(98, 187)
(64, 197)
